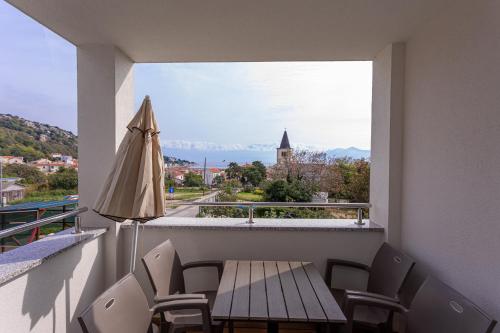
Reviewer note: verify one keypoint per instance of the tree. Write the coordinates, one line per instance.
(276, 191)
(301, 191)
(303, 164)
(347, 179)
(66, 179)
(29, 174)
(218, 180)
(251, 175)
(233, 171)
(261, 168)
(360, 183)
(169, 180)
(192, 179)
(231, 185)
(29, 153)
(296, 191)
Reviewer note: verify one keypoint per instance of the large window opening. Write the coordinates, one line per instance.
(38, 142)
(295, 132)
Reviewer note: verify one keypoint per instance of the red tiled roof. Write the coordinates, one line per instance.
(10, 157)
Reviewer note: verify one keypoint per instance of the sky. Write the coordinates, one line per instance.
(218, 106)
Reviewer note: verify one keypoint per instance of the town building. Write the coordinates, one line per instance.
(68, 159)
(284, 152)
(48, 166)
(11, 191)
(210, 174)
(12, 159)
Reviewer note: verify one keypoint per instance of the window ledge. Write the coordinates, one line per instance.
(240, 224)
(27, 257)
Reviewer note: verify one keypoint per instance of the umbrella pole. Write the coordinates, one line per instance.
(133, 250)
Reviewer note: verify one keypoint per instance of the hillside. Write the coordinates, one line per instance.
(33, 140)
(177, 161)
(220, 158)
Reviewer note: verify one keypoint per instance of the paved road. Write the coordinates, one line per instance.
(191, 211)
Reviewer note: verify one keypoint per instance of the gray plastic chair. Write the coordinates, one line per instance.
(387, 274)
(165, 272)
(124, 308)
(436, 308)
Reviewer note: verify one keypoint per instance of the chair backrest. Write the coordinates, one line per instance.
(164, 270)
(414, 280)
(437, 308)
(388, 271)
(122, 308)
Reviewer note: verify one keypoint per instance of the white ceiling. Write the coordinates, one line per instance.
(235, 30)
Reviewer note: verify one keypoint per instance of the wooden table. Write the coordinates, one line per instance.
(275, 291)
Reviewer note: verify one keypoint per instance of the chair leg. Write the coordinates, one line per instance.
(218, 329)
(230, 325)
(322, 328)
(272, 327)
(174, 329)
(164, 324)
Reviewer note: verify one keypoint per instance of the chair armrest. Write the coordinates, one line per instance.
(366, 294)
(330, 263)
(206, 263)
(372, 295)
(175, 297)
(352, 301)
(188, 304)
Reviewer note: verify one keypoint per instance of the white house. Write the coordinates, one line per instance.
(48, 166)
(12, 159)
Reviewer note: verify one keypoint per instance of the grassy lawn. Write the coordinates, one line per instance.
(187, 193)
(247, 196)
(49, 195)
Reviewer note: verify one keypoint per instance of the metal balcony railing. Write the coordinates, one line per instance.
(41, 222)
(252, 205)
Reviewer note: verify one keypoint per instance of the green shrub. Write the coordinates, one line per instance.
(29, 174)
(258, 191)
(66, 179)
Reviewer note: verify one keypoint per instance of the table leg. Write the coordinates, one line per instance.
(272, 327)
(334, 328)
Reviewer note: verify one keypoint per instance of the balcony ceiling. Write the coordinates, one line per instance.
(235, 30)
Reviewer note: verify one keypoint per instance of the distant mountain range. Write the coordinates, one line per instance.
(177, 161)
(221, 156)
(351, 152)
(33, 140)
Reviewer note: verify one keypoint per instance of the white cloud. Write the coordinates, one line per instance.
(323, 104)
(327, 103)
(211, 146)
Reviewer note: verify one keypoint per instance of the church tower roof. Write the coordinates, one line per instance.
(285, 144)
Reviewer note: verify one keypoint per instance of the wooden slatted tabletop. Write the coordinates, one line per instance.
(276, 291)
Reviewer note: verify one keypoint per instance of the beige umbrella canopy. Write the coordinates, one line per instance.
(135, 187)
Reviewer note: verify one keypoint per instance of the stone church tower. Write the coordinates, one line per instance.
(284, 152)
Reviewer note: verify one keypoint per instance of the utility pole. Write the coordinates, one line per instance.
(204, 175)
(1, 182)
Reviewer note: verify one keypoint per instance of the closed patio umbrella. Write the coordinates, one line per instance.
(134, 189)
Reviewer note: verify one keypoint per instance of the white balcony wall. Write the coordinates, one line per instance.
(451, 156)
(199, 244)
(50, 297)
(386, 140)
(105, 106)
